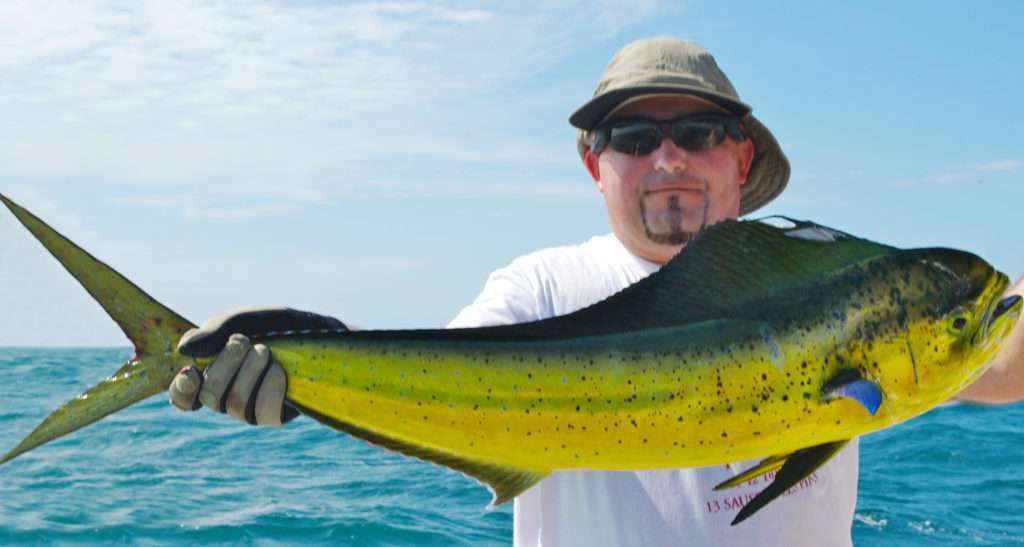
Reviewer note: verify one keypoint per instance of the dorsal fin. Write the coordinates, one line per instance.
(726, 267)
(723, 269)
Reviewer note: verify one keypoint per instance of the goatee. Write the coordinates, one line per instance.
(675, 234)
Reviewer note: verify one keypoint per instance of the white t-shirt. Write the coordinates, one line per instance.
(647, 508)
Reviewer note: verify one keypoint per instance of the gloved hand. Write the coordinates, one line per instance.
(242, 381)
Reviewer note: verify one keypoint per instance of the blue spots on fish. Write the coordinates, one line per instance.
(768, 339)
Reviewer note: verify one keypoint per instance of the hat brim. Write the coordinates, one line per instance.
(590, 114)
(769, 171)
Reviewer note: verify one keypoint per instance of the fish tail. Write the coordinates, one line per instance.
(152, 328)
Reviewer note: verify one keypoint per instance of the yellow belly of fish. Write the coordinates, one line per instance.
(596, 408)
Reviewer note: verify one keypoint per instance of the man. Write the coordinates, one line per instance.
(671, 149)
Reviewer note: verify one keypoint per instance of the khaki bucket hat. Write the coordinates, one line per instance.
(657, 66)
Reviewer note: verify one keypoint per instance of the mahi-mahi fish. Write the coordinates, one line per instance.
(777, 340)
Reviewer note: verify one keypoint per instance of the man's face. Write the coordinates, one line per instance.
(656, 202)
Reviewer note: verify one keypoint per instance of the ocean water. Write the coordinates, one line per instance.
(152, 475)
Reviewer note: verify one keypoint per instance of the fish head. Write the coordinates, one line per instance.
(962, 318)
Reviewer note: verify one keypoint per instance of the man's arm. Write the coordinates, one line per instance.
(1004, 380)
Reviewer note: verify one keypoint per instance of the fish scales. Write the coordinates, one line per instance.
(756, 341)
(654, 399)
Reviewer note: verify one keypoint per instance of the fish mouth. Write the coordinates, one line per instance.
(1006, 304)
(999, 309)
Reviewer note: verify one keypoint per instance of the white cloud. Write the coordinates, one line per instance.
(1000, 166)
(947, 178)
(973, 173)
(615, 15)
(178, 98)
(248, 203)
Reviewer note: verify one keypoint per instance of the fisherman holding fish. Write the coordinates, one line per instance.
(672, 150)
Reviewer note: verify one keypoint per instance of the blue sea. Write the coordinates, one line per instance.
(152, 475)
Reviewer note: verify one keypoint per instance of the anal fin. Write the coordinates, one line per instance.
(798, 466)
(505, 483)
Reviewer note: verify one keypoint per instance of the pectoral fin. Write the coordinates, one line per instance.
(767, 465)
(798, 466)
(851, 385)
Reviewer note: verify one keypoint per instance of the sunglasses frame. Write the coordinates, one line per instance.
(733, 129)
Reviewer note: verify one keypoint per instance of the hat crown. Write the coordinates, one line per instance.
(661, 61)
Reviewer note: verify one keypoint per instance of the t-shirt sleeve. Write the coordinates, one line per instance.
(508, 297)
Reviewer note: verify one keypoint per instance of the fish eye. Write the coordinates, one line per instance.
(959, 323)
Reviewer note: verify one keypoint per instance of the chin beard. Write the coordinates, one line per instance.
(674, 234)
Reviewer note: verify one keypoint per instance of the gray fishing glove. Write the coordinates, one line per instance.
(242, 381)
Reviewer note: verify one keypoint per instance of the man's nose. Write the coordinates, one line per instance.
(668, 157)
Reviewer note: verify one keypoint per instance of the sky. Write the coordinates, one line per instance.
(375, 161)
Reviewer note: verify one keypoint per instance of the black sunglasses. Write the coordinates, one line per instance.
(640, 137)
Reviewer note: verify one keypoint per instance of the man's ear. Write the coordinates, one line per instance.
(745, 156)
(591, 163)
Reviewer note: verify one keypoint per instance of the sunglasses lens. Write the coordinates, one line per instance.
(697, 136)
(640, 138)
(635, 139)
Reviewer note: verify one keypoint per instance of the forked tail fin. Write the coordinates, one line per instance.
(152, 328)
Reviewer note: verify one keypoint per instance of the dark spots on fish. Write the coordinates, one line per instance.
(785, 398)
(633, 422)
(645, 440)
